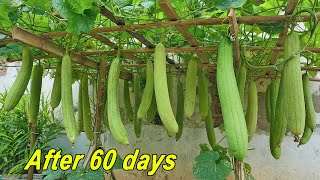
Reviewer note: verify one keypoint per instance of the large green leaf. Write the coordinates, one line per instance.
(227, 4)
(207, 168)
(80, 6)
(77, 23)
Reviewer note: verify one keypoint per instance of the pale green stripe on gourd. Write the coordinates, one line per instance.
(35, 93)
(191, 88)
(161, 91)
(148, 91)
(67, 99)
(233, 116)
(116, 126)
(21, 82)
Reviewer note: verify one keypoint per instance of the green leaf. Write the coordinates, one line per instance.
(80, 6)
(43, 5)
(4, 16)
(123, 3)
(77, 23)
(206, 167)
(227, 4)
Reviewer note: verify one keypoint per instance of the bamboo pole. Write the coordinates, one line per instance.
(250, 20)
(48, 46)
(188, 50)
(234, 28)
(51, 48)
(100, 94)
(33, 138)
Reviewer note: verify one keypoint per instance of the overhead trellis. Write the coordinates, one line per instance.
(182, 25)
(97, 30)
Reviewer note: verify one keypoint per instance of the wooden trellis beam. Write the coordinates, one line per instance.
(289, 10)
(113, 46)
(49, 47)
(173, 16)
(209, 65)
(250, 20)
(187, 50)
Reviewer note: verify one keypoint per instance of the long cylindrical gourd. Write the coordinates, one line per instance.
(191, 88)
(306, 136)
(267, 100)
(203, 93)
(252, 110)
(151, 114)
(56, 89)
(273, 96)
(87, 121)
(161, 91)
(148, 91)
(137, 97)
(310, 112)
(232, 112)
(180, 109)
(278, 124)
(294, 105)
(35, 93)
(80, 111)
(127, 101)
(274, 90)
(241, 81)
(21, 82)
(210, 128)
(115, 123)
(67, 99)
